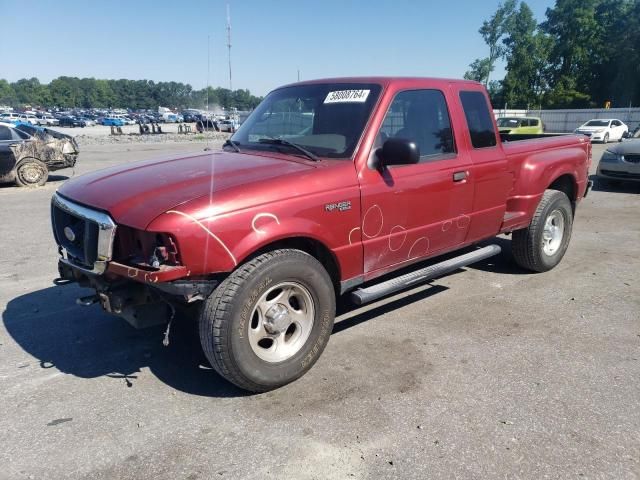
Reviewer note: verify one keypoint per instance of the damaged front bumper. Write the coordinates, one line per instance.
(143, 298)
(141, 294)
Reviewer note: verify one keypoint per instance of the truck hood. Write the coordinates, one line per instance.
(136, 193)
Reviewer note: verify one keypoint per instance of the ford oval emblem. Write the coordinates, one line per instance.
(70, 234)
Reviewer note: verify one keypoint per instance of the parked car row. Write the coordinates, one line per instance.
(598, 129)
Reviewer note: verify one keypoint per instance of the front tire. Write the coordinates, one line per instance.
(541, 245)
(31, 172)
(606, 138)
(269, 321)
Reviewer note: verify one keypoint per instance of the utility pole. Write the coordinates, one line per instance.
(298, 74)
(229, 44)
(208, 69)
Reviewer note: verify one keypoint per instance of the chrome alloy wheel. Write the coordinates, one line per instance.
(553, 233)
(281, 322)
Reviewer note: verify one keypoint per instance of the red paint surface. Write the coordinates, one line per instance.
(221, 207)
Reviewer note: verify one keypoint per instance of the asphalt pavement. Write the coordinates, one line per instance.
(490, 372)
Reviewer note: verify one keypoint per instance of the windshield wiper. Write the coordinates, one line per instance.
(282, 141)
(232, 144)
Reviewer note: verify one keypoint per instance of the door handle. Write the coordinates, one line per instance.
(459, 176)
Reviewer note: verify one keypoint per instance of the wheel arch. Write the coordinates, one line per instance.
(312, 246)
(567, 184)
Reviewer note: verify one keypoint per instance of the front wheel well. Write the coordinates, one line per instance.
(308, 245)
(566, 184)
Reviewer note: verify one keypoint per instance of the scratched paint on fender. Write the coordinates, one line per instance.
(204, 227)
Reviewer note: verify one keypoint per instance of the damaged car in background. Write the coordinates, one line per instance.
(29, 153)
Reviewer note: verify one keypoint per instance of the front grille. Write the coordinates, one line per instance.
(84, 248)
(86, 235)
(632, 157)
(612, 173)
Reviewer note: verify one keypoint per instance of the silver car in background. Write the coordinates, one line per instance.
(621, 162)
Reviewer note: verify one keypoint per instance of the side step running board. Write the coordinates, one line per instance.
(368, 294)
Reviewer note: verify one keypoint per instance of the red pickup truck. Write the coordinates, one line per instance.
(327, 186)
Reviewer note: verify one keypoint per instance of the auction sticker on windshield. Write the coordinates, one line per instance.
(343, 96)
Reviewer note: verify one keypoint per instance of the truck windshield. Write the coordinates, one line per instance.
(326, 119)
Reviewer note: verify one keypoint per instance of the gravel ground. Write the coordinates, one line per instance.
(101, 135)
(490, 372)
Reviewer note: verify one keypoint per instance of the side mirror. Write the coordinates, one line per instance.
(397, 151)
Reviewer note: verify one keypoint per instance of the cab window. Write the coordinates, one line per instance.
(422, 117)
(479, 120)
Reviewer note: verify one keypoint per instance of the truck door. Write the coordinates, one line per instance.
(414, 211)
(492, 179)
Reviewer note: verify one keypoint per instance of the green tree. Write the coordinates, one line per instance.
(617, 69)
(492, 31)
(576, 50)
(480, 69)
(30, 92)
(123, 93)
(7, 95)
(526, 53)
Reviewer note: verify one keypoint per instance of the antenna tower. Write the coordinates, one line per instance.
(229, 44)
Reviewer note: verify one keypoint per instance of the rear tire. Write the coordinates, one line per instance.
(31, 172)
(541, 245)
(268, 322)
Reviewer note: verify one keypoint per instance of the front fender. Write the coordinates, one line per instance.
(210, 244)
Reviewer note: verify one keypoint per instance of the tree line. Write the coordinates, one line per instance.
(72, 92)
(584, 54)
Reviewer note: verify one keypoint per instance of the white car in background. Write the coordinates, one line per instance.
(228, 126)
(28, 118)
(9, 117)
(47, 120)
(603, 130)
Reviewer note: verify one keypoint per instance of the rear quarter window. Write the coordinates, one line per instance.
(479, 119)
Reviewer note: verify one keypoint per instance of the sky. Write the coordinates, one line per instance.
(271, 40)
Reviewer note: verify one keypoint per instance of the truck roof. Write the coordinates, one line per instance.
(385, 81)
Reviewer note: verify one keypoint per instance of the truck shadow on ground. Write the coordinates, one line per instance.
(88, 343)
